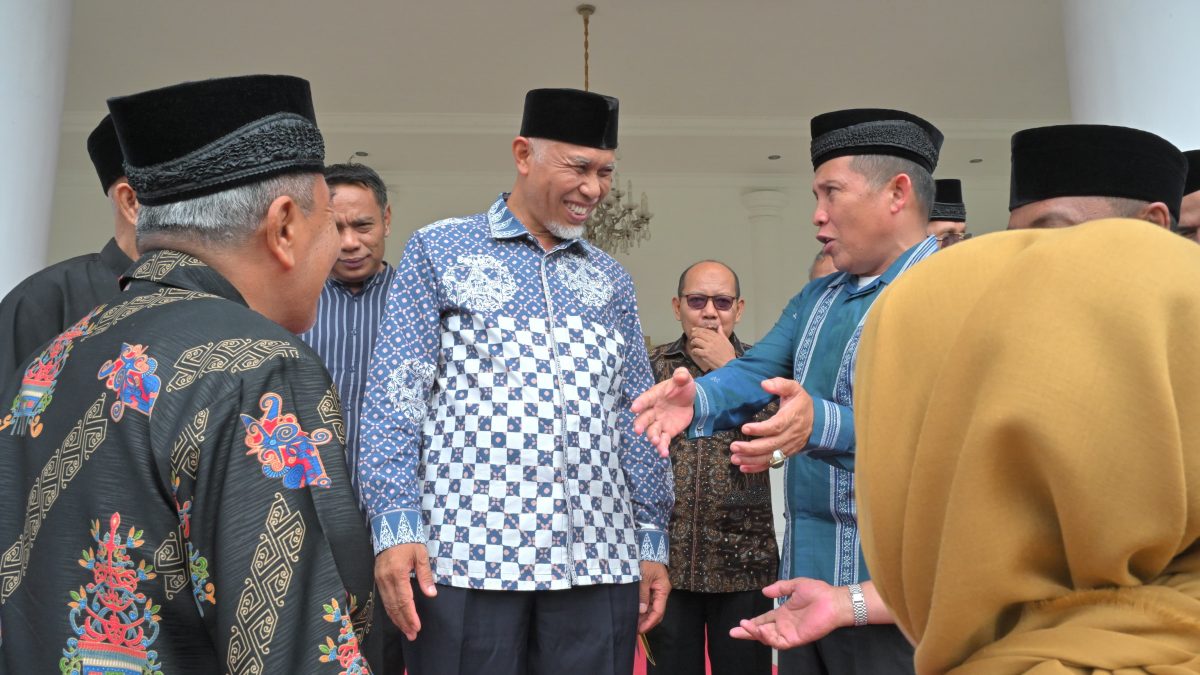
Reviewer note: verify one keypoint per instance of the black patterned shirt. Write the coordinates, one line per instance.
(172, 493)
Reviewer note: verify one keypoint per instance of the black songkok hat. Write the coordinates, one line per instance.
(948, 202)
(1095, 160)
(1193, 174)
(105, 151)
(875, 131)
(198, 138)
(571, 116)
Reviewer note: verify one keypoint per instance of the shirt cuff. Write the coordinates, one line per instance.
(702, 418)
(652, 546)
(396, 527)
(831, 432)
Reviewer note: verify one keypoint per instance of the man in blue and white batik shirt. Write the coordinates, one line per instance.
(497, 449)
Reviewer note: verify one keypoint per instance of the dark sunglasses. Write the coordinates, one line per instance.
(723, 303)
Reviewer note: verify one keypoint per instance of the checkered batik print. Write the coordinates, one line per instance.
(514, 491)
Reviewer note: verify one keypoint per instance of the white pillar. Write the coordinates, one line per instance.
(765, 213)
(1133, 63)
(34, 36)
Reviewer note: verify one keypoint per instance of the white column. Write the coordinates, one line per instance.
(1133, 63)
(34, 36)
(765, 214)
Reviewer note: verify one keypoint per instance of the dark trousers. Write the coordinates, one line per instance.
(586, 630)
(866, 650)
(383, 646)
(677, 644)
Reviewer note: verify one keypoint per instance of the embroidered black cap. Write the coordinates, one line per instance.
(105, 151)
(197, 138)
(1095, 160)
(571, 116)
(948, 201)
(875, 131)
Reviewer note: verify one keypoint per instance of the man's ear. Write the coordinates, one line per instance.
(675, 306)
(901, 192)
(125, 199)
(741, 307)
(522, 150)
(1156, 213)
(387, 220)
(280, 230)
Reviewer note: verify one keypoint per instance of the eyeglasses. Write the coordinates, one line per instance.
(697, 301)
(951, 238)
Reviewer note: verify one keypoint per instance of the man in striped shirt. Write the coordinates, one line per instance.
(348, 314)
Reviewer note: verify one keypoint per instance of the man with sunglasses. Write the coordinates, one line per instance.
(874, 188)
(722, 533)
(948, 217)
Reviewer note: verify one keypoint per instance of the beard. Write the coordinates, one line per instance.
(565, 231)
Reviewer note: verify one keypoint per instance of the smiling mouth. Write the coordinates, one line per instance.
(579, 211)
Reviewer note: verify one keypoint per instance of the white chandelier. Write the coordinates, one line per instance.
(617, 224)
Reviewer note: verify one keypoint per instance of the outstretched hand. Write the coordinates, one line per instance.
(787, 430)
(665, 410)
(813, 610)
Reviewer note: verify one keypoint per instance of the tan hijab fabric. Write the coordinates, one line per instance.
(1028, 420)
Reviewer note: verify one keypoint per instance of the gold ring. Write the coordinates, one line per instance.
(777, 459)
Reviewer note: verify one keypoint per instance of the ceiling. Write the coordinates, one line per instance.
(706, 86)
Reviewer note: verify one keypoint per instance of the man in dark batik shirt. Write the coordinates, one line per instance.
(722, 534)
(47, 302)
(172, 491)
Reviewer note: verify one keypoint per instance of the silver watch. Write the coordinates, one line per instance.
(858, 602)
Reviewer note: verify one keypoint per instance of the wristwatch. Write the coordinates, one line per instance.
(858, 602)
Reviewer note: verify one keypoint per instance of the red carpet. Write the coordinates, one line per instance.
(639, 665)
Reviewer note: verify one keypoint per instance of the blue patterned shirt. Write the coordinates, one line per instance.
(496, 426)
(344, 335)
(815, 342)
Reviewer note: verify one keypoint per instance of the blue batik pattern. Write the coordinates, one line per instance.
(496, 427)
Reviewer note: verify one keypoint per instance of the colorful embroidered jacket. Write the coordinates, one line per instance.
(173, 496)
(815, 342)
(496, 425)
(49, 301)
(722, 528)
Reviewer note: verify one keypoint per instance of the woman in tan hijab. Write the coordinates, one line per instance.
(1030, 501)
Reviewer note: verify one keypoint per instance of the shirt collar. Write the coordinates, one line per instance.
(114, 258)
(180, 270)
(504, 224)
(912, 256)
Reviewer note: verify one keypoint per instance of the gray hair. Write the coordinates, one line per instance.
(1126, 207)
(879, 169)
(225, 217)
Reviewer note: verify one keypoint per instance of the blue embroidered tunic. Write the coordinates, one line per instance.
(496, 425)
(815, 342)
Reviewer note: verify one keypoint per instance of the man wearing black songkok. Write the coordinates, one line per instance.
(497, 456)
(1072, 173)
(872, 178)
(948, 217)
(1189, 210)
(172, 492)
(47, 302)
